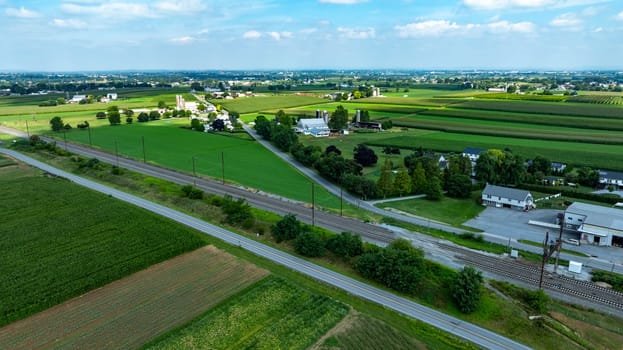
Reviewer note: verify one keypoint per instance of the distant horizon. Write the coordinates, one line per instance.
(178, 35)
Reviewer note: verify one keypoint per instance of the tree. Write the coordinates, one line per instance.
(238, 212)
(154, 115)
(332, 149)
(287, 228)
(114, 118)
(433, 189)
(309, 244)
(466, 289)
(112, 109)
(339, 118)
(418, 179)
(264, 127)
(541, 164)
(385, 184)
(486, 168)
(233, 117)
(196, 124)
(57, 124)
(218, 125)
(283, 119)
(162, 105)
(284, 138)
(196, 86)
(345, 245)
(512, 170)
(459, 186)
(364, 155)
(402, 182)
(129, 120)
(142, 117)
(100, 115)
(201, 107)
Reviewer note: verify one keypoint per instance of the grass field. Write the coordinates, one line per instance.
(59, 241)
(263, 102)
(273, 314)
(359, 331)
(169, 145)
(572, 109)
(448, 210)
(132, 311)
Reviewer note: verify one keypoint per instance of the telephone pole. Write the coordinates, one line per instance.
(143, 142)
(313, 205)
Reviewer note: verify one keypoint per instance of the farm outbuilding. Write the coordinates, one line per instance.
(316, 127)
(505, 197)
(597, 225)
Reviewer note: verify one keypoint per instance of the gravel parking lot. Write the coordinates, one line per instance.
(514, 223)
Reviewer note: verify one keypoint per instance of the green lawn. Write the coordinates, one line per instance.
(59, 240)
(246, 162)
(272, 314)
(449, 210)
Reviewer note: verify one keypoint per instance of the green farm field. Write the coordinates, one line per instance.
(263, 102)
(273, 314)
(167, 144)
(60, 240)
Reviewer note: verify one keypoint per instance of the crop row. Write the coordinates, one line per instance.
(598, 99)
(272, 314)
(530, 119)
(80, 240)
(492, 128)
(524, 97)
(567, 109)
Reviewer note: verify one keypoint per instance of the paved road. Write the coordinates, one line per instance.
(475, 334)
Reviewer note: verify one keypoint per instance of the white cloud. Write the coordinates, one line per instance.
(620, 16)
(598, 30)
(21, 12)
(427, 28)
(69, 23)
(180, 6)
(109, 10)
(508, 27)
(443, 27)
(183, 40)
(527, 4)
(352, 33)
(567, 21)
(252, 34)
(309, 30)
(342, 2)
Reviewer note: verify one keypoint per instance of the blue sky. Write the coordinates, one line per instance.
(70, 35)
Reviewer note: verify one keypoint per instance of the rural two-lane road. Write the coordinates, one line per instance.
(468, 331)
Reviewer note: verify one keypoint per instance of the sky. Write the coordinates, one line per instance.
(92, 35)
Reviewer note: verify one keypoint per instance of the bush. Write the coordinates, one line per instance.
(398, 269)
(238, 212)
(189, 191)
(613, 279)
(466, 289)
(345, 245)
(287, 228)
(309, 244)
(115, 170)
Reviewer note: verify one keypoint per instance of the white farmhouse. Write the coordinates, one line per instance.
(506, 197)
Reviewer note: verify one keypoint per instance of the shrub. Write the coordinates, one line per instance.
(309, 244)
(189, 191)
(466, 289)
(287, 228)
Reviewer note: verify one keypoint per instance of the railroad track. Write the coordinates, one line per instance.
(530, 274)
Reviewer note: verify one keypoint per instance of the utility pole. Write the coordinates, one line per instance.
(65, 137)
(548, 251)
(143, 142)
(223, 166)
(27, 131)
(90, 143)
(313, 205)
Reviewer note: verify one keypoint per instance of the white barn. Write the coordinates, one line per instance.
(504, 197)
(316, 127)
(597, 225)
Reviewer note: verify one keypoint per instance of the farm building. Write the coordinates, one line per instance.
(507, 197)
(558, 168)
(77, 98)
(607, 178)
(316, 127)
(473, 154)
(597, 225)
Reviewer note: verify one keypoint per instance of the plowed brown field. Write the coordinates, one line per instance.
(132, 311)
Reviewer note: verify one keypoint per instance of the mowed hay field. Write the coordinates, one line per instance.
(263, 102)
(130, 312)
(59, 240)
(272, 314)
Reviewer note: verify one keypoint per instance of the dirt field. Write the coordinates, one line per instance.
(132, 311)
